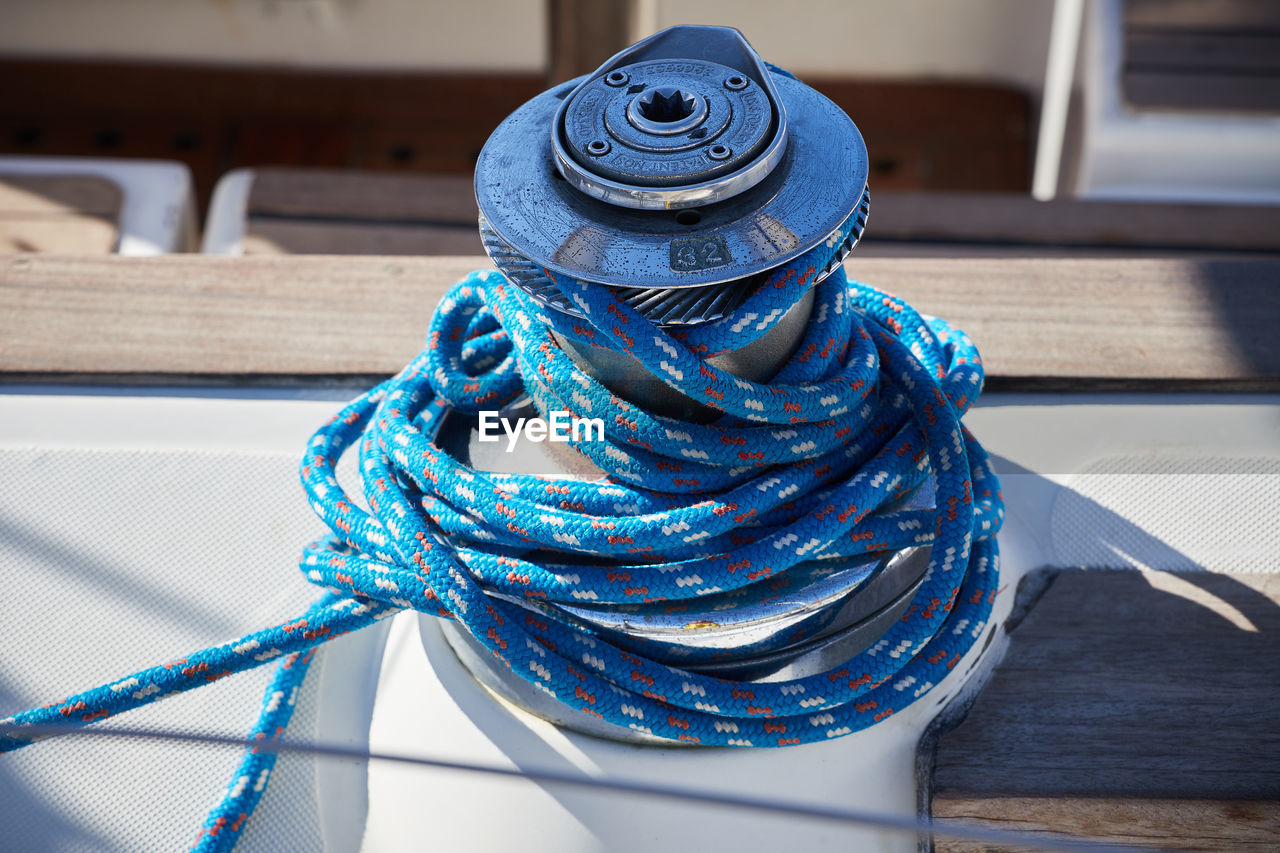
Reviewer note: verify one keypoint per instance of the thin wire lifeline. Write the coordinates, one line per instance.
(903, 823)
(867, 409)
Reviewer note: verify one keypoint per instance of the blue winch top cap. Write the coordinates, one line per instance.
(681, 162)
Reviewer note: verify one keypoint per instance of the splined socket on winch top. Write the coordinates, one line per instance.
(679, 174)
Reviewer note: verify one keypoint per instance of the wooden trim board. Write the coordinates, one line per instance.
(1126, 711)
(922, 134)
(1167, 824)
(1156, 323)
(346, 211)
(339, 211)
(1019, 219)
(363, 196)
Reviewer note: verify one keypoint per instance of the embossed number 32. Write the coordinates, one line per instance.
(699, 254)
(706, 255)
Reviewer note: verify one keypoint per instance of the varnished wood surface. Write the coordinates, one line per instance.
(1016, 219)
(349, 212)
(335, 211)
(922, 134)
(1209, 56)
(1242, 16)
(1164, 824)
(439, 199)
(1153, 323)
(1131, 713)
(213, 118)
(353, 237)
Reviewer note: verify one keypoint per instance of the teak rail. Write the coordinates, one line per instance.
(1042, 324)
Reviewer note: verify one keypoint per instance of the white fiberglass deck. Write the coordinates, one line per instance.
(139, 524)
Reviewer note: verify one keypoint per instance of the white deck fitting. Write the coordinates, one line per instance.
(158, 213)
(228, 218)
(1055, 99)
(142, 524)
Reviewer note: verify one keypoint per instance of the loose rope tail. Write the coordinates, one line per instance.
(800, 468)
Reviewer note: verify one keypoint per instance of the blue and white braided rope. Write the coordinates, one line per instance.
(799, 468)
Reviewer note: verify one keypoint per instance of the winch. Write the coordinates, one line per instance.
(678, 175)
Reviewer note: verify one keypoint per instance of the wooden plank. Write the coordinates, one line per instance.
(1197, 90)
(312, 236)
(1014, 218)
(897, 217)
(210, 315)
(939, 136)
(1036, 320)
(217, 117)
(341, 212)
(358, 195)
(1203, 15)
(1115, 686)
(1181, 824)
(1204, 55)
(1145, 50)
(1086, 319)
(69, 214)
(922, 134)
(1129, 711)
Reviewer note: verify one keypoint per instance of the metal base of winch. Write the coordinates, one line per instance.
(821, 655)
(680, 174)
(804, 621)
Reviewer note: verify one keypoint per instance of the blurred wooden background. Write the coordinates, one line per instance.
(923, 134)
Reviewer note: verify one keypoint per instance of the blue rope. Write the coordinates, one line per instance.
(225, 823)
(800, 468)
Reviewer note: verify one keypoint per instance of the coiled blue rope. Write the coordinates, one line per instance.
(799, 468)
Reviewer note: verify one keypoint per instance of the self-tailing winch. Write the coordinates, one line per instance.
(678, 174)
